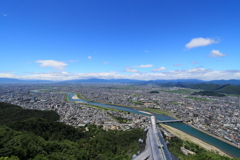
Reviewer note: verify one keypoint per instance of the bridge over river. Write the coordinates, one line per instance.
(225, 147)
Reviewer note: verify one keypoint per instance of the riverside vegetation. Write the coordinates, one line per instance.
(36, 135)
(201, 153)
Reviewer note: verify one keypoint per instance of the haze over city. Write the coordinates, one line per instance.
(127, 39)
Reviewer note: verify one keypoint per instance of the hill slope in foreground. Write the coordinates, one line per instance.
(40, 138)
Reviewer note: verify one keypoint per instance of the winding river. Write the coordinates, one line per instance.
(228, 149)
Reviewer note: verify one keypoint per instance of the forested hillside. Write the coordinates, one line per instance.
(221, 88)
(40, 138)
(226, 88)
(10, 113)
(94, 144)
(208, 93)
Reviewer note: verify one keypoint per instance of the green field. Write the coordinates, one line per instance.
(118, 119)
(66, 98)
(138, 103)
(130, 87)
(234, 95)
(102, 108)
(106, 109)
(81, 97)
(41, 90)
(166, 113)
(180, 91)
(198, 99)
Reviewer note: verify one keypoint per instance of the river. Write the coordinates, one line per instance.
(228, 149)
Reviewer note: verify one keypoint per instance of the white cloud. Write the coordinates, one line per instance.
(7, 71)
(216, 53)
(65, 73)
(105, 62)
(4, 14)
(8, 75)
(57, 65)
(30, 72)
(194, 73)
(73, 61)
(198, 42)
(146, 51)
(198, 70)
(131, 70)
(159, 69)
(194, 62)
(89, 57)
(178, 64)
(144, 66)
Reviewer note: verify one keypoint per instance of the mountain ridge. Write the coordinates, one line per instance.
(176, 82)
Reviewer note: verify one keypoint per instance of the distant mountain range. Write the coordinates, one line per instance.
(12, 80)
(195, 81)
(167, 83)
(177, 82)
(95, 80)
(222, 86)
(226, 88)
(222, 82)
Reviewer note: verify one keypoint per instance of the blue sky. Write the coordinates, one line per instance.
(115, 39)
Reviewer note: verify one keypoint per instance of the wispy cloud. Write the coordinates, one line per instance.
(194, 62)
(159, 69)
(216, 53)
(146, 51)
(143, 66)
(7, 71)
(4, 14)
(198, 42)
(197, 70)
(73, 61)
(105, 62)
(89, 57)
(178, 64)
(30, 72)
(57, 65)
(131, 70)
(194, 73)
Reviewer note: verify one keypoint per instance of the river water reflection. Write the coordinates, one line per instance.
(228, 149)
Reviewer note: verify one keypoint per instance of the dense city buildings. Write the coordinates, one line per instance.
(218, 116)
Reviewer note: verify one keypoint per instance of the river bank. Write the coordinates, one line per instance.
(187, 137)
(232, 151)
(219, 138)
(75, 96)
(150, 111)
(158, 111)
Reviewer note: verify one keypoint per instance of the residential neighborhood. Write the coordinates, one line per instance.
(218, 116)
